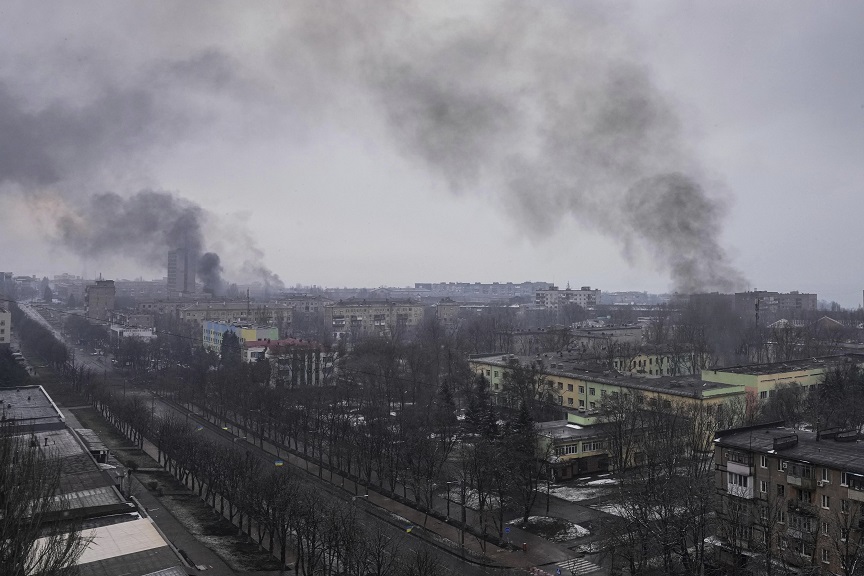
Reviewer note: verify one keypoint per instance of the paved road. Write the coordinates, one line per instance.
(378, 510)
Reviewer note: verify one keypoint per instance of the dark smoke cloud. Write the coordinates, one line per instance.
(144, 226)
(59, 152)
(551, 113)
(210, 273)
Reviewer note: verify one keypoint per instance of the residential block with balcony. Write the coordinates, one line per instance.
(789, 496)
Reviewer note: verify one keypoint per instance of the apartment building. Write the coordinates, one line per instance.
(361, 318)
(790, 497)
(553, 298)
(239, 311)
(5, 327)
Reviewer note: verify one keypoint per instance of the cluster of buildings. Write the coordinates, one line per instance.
(94, 487)
(579, 388)
(792, 496)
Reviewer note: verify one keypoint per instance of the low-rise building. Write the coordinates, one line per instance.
(293, 362)
(761, 380)
(580, 389)
(790, 497)
(213, 332)
(118, 332)
(573, 450)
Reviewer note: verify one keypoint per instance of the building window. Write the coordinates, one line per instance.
(844, 506)
(560, 400)
(763, 486)
(763, 461)
(826, 475)
(592, 392)
(570, 387)
(781, 490)
(581, 389)
(826, 555)
(560, 385)
(592, 405)
(780, 465)
(569, 401)
(763, 395)
(738, 480)
(826, 501)
(602, 393)
(581, 403)
(825, 530)
(781, 516)
(844, 479)
(496, 373)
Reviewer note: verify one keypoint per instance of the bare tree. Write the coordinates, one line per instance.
(34, 540)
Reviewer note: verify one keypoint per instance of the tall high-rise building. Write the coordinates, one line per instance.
(181, 272)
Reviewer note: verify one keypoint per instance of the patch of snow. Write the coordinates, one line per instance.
(602, 482)
(578, 493)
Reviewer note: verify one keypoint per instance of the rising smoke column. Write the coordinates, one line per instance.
(548, 108)
(210, 273)
(53, 156)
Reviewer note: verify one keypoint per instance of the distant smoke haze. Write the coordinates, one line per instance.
(543, 108)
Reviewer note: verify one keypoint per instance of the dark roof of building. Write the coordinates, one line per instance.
(845, 454)
(286, 342)
(822, 362)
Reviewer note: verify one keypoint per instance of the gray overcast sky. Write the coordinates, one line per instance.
(650, 146)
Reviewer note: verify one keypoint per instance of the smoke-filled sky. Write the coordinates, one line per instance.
(650, 146)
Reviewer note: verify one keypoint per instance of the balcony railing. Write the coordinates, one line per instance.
(803, 482)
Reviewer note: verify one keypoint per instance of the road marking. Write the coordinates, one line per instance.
(579, 566)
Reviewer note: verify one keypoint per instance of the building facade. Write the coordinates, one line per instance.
(5, 327)
(552, 298)
(239, 311)
(181, 272)
(361, 318)
(293, 362)
(99, 300)
(791, 498)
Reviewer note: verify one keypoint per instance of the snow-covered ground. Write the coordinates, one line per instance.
(553, 529)
(577, 493)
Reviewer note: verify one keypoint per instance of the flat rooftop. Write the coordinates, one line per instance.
(828, 452)
(564, 430)
(822, 362)
(29, 406)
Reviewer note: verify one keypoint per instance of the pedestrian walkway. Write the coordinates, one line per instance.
(579, 566)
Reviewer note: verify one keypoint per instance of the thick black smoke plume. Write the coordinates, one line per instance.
(210, 274)
(51, 156)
